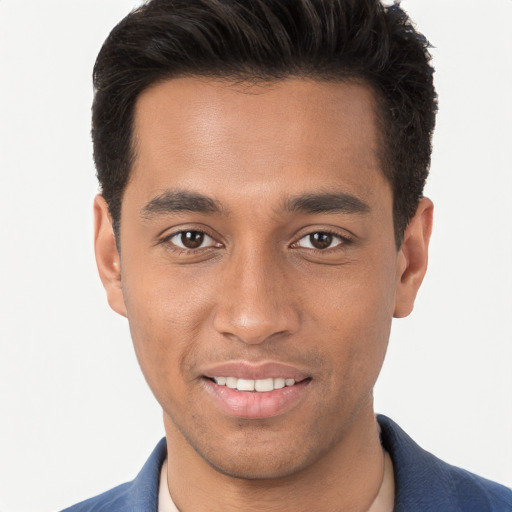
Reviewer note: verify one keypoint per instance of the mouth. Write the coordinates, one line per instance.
(256, 385)
(242, 390)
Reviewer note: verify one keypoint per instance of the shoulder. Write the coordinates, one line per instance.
(139, 495)
(424, 482)
(115, 499)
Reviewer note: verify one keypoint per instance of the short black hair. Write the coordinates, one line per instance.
(269, 40)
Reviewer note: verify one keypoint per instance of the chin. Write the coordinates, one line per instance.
(256, 469)
(262, 461)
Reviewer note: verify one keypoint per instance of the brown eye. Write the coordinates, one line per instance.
(192, 240)
(319, 240)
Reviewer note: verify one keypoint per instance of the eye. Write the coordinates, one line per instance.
(320, 240)
(192, 240)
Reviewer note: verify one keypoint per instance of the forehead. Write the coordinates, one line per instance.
(197, 133)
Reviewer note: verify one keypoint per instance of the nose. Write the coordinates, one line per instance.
(256, 302)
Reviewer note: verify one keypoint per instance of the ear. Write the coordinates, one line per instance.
(107, 255)
(413, 258)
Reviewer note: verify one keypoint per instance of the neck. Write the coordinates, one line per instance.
(348, 477)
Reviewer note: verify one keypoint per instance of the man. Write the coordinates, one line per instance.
(261, 220)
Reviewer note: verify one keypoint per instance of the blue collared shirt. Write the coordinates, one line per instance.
(423, 483)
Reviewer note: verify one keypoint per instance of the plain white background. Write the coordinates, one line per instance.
(76, 416)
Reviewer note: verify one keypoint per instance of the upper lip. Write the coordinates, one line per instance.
(254, 371)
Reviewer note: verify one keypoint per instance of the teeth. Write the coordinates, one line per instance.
(231, 382)
(279, 383)
(245, 385)
(264, 385)
(259, 385)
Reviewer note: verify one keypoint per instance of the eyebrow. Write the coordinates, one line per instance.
(176, 201)
(327, 203)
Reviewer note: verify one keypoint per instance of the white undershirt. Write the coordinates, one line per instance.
(165, 503)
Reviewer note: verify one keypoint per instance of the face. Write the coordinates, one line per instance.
(258, 267)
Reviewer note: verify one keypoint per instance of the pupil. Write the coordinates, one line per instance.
(320, 240)
(192, 239)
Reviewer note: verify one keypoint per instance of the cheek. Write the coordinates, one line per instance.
(165, 316)
(353, 311)
(355, 297)
(161, 297)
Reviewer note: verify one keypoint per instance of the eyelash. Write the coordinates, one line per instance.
(343, 241)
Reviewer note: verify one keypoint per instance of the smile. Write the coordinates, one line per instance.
(256, 398)
(258, 385)
(242, 389)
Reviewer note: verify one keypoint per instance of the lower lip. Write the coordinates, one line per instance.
(254, 405)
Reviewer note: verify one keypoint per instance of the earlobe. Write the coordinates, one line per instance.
(413, 258)
(107, 255)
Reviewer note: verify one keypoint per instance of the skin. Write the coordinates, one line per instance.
(257, 290)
